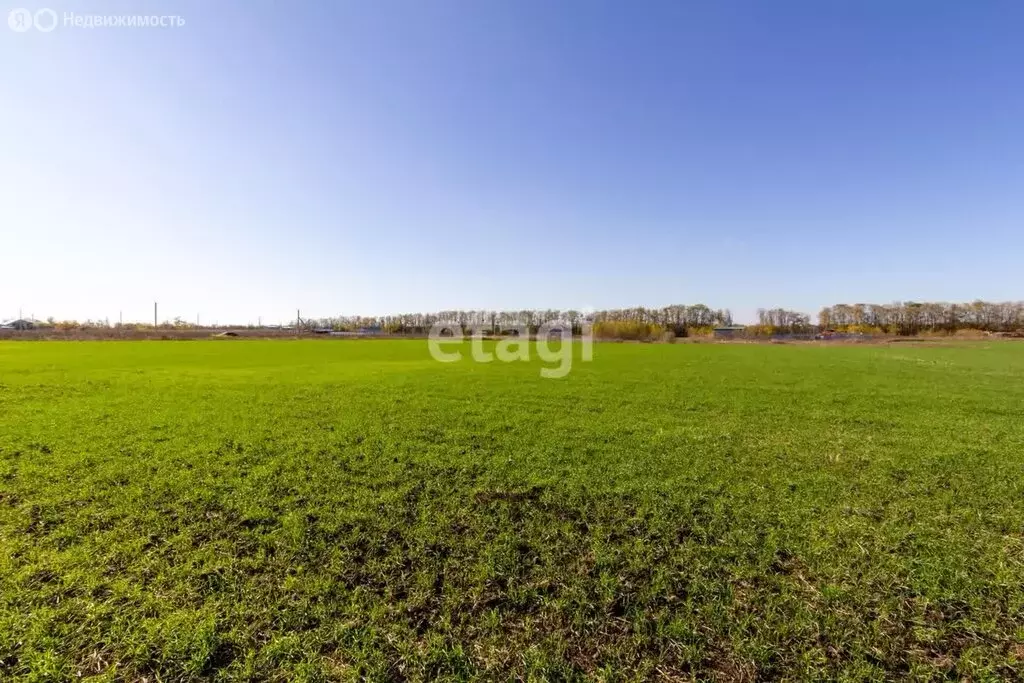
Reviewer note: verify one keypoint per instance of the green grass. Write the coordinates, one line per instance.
(289, 510)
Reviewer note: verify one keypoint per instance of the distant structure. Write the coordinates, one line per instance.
(20, 324)
(729, 331)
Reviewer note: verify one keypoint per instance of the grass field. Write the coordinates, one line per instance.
(322, 510)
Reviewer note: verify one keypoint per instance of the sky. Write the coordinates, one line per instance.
(393, 156)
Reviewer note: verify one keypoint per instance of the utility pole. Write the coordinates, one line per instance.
(154, 315)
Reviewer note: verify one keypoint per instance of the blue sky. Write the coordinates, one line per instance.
(375, 157)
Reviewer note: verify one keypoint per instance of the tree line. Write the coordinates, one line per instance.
(780, 321)
(899, 318)
(911, 317)
(636, 322)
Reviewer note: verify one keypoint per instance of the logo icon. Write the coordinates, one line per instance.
(45, 20)
(20, 20)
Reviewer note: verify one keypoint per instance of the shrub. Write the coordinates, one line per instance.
(701, 331)
(628, 329)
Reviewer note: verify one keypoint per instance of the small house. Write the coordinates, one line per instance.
(20, 324)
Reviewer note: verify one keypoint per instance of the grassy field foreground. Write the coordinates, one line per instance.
(317, 510)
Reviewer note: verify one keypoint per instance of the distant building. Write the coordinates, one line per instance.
(20, 324)
(729, 331)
